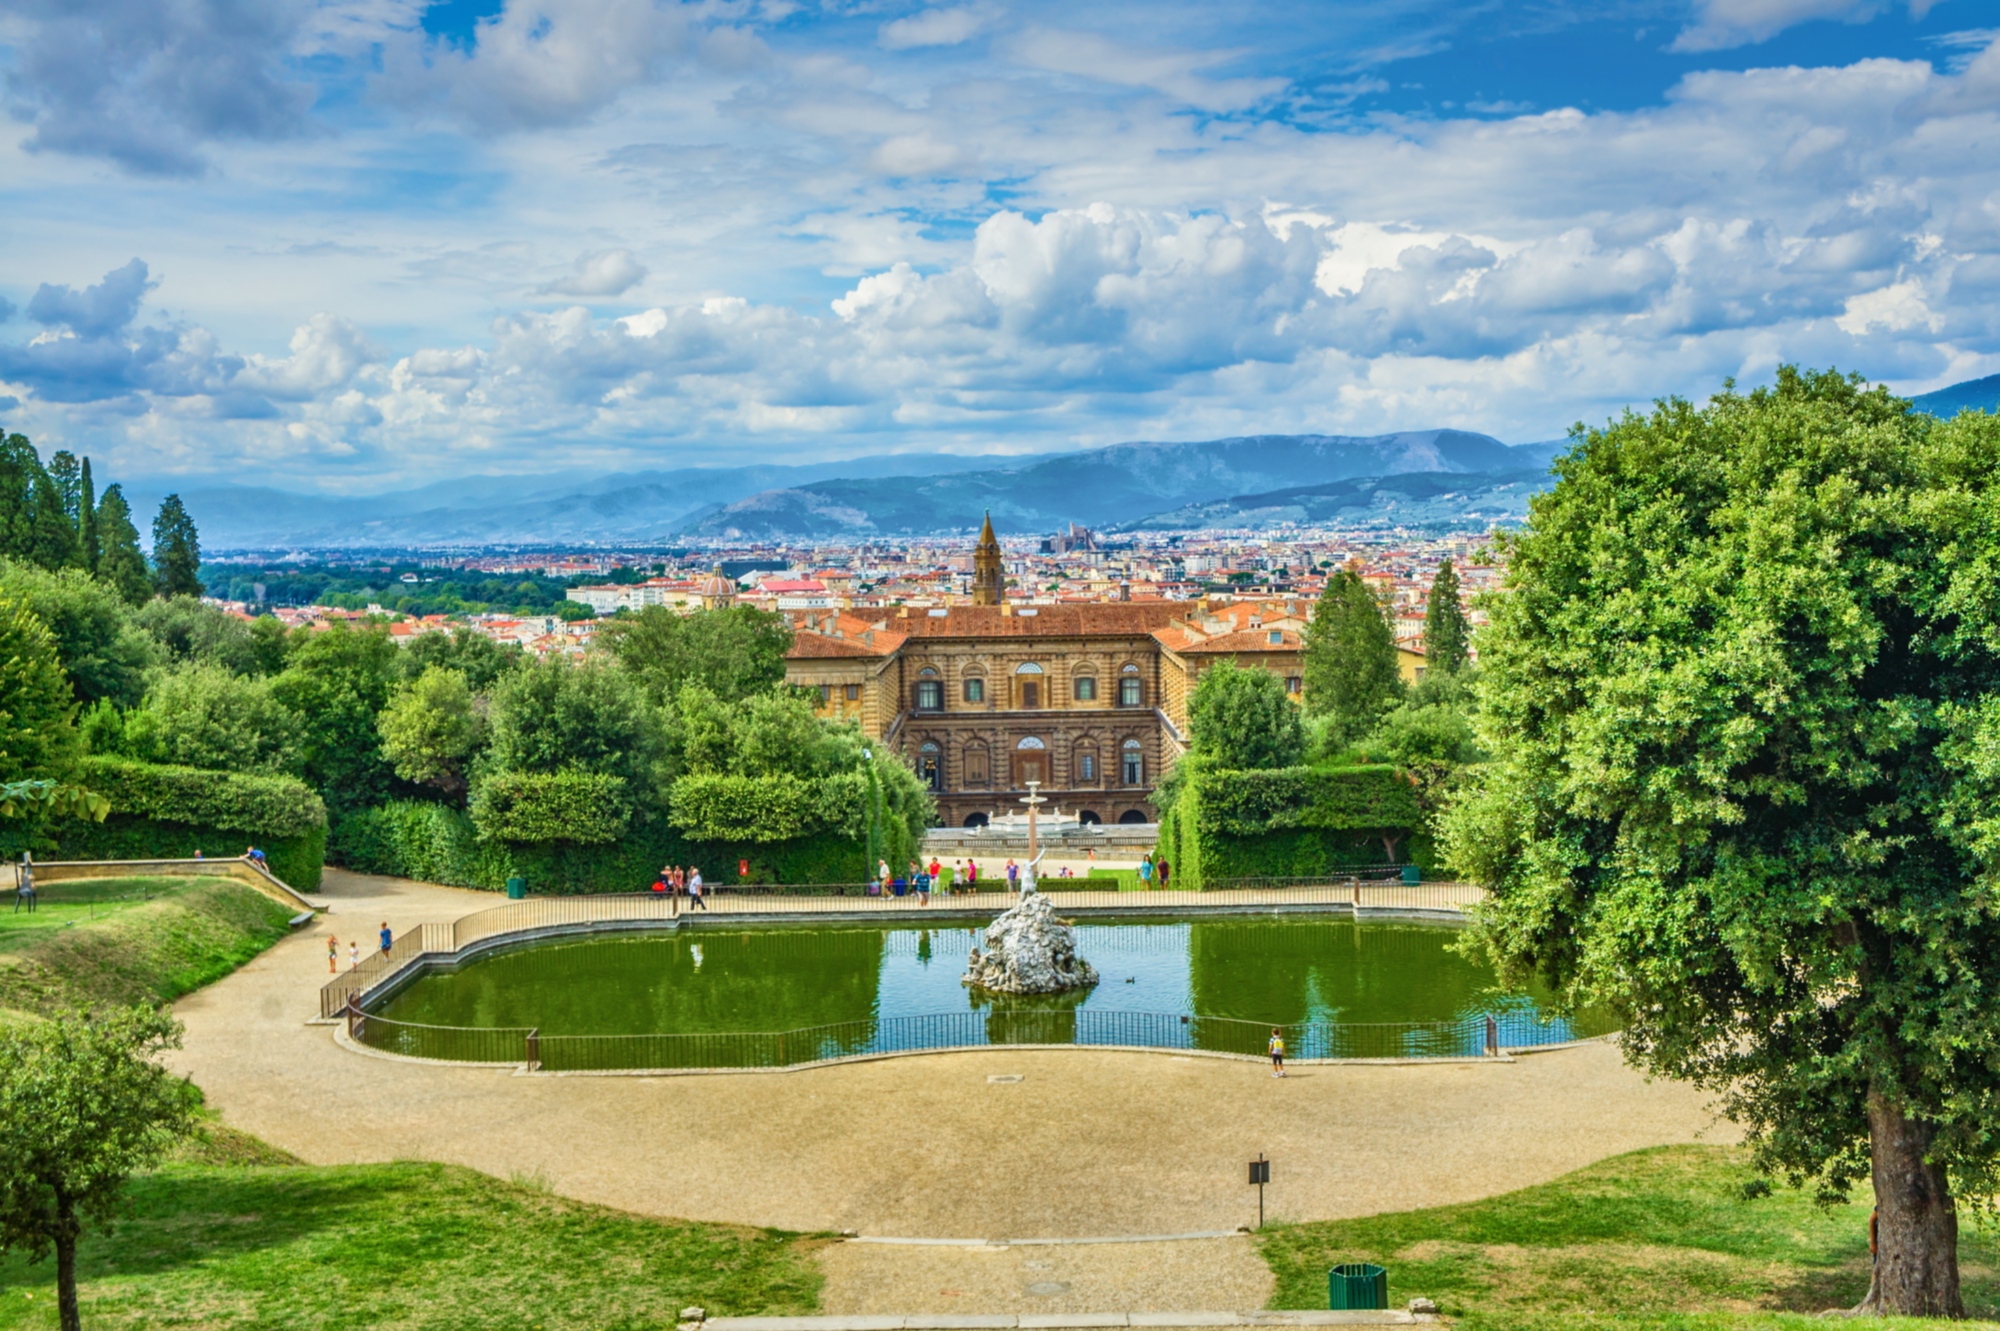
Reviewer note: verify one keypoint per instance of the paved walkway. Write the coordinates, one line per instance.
(1086, 1144)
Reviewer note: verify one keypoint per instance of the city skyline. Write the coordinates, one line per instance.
(367, 243)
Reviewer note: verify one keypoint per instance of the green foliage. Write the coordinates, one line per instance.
(86, 1106)
(338, 682)
(38, 736)
(296, 860)
(439, 591)
(51, 799)
(267, 806)
(553, 715)
(85, 515)
(437, 844)
(778, 807)
(1737, 690)
(103, 653)
(477, 657)
(572, 807)
(121, 565)
(431, 731)
(1447, 635)
(733, 652)
(1242, 719)
(410, 1245)
(1430, 736)
(1287, 822)
(1351, 676)
(176, 551)
(190, 631)
(203, 716)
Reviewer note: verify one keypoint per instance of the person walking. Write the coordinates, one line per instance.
(332, 955)
(882, 877)
(1013, 876)
(694, 891)
(24, 884)
(1277, 1052)
(972, 875)
(1163, 869)
(1146, 872)
(923, 881)
(353, 953)
(385, 936)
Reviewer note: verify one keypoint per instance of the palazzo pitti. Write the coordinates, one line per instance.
(1089, 700)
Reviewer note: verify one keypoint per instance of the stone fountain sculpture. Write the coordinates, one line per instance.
(1029, 951)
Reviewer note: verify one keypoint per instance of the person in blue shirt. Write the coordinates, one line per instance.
(385, 936)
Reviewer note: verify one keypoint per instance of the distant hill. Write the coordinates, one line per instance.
(1115, 487)
(1973, 395)
(1422, 501)
(647, 506)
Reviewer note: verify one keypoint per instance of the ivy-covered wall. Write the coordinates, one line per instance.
(1290, 822)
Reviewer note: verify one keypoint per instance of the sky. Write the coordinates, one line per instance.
(356, 245)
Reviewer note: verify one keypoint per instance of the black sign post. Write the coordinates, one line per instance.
(1260, 1174)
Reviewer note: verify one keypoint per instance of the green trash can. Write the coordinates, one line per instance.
(1357, 1285)
(517, 888)
(1412, 874)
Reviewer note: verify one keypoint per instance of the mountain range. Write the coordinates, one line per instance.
(1438, 480)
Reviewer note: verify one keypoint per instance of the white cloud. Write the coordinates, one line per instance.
(1894, 307)
(603, 273)
(1720, 24)
(1175, 73)
(932, 27)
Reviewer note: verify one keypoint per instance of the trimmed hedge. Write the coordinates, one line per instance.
(271, 806)
(1290, 822)
(437, 844)
(580, 808)
(165, 812)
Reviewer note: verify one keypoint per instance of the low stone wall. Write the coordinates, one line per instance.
(241, 868)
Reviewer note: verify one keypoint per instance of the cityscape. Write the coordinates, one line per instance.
(979, 665)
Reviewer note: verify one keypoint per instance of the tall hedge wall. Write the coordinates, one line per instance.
(437, 844)
(165, 812)
(1289, 822)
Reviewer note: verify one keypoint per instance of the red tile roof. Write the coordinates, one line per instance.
(1118, 619)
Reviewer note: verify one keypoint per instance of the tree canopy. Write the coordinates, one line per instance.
(103, 653)
(432, 731)
(120, 563)
(1351, 675)
(38, 735)
(1243, 720)
(732, 652)
(1742, 693)
(86, 1106)
(1447, 636)
(176, 550)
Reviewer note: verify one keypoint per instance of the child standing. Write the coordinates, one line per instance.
(1277, 1052)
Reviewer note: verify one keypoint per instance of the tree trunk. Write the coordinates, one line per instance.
(66, 1228)
(1916, 1266)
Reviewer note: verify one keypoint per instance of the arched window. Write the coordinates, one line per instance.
(1086, 766)
(1028, 685)
(1032, 743)
(1132, 758)
(930, 691)
(1084, 687)
(975, 689)
(930, 765)
(1131, 689)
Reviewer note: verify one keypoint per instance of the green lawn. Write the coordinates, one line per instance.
(1666, 1238)
(64, 904)
(292, 1247)
(93, 943)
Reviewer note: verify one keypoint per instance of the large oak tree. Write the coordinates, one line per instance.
(1742, 693)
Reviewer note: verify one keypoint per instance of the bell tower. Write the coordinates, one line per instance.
(988, 577)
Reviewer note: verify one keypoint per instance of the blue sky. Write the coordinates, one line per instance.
(357, 244)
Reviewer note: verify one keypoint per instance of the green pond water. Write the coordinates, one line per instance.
(1339, 987)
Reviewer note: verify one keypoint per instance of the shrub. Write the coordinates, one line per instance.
(1292, 822)
(573, 808)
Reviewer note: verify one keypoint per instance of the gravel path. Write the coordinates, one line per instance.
(1086, 1144)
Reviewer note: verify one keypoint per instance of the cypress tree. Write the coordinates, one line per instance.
(176, 551)
(52, 541)
(1350, 667)
(19, 468)
(119, 562)
(67, 474)
(1446, 633)
(86, 518)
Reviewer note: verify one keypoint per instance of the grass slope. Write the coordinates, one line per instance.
(84, 949)
(1673, 1237)
(426, 1246)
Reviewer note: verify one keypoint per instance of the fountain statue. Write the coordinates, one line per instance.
(1029, 951)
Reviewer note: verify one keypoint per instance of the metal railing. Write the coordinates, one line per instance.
(1467, 1037)
(443, 942)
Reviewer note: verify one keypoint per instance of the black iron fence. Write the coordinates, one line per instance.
(1465, 1037)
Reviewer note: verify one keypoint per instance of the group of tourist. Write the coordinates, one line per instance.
(674, 882)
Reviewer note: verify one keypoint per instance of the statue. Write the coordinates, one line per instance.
(1029, 951)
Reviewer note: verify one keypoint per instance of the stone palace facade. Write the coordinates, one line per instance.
(1089, 700)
